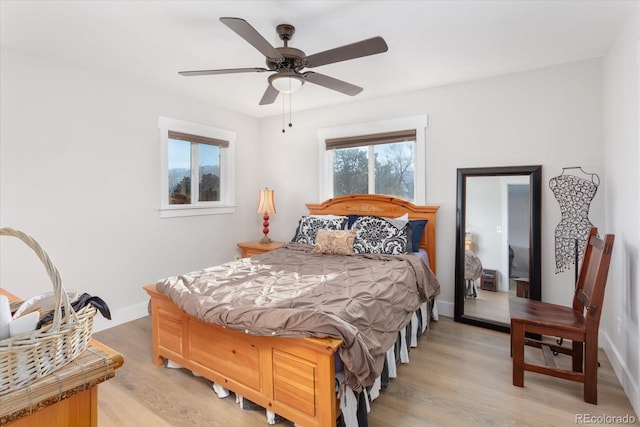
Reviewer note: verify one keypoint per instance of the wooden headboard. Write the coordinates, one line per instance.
(372, 204)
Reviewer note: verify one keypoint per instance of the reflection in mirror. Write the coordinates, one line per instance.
(498, 242)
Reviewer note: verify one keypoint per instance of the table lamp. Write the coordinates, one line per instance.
(266, 205)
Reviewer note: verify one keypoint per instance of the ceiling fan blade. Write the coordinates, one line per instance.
(222, 71)
(331, 83)
(351, 51)
(247, 32)
(269, 96)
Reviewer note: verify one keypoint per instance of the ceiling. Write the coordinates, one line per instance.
(431, 43)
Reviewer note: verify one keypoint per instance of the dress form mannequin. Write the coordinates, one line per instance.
(574, 189)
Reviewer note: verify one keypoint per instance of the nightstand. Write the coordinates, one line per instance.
(489, 280)
(256, 248)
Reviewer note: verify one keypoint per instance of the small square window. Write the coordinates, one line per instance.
(196, 169)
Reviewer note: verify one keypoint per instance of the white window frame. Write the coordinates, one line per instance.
(419, 123)
(226, 204)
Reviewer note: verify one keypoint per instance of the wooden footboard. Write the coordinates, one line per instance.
(293, 377)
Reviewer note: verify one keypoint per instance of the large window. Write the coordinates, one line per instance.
(375, 164)
(390, 163)
(196, 169)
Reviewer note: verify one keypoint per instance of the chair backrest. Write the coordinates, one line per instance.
(592, 280)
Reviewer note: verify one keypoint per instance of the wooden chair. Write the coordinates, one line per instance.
(578, 323)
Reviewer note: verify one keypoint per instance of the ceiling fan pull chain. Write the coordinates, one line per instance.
(283, 114)
(290, 124)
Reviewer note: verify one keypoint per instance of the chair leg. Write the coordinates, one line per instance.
(511, 342)
(517, 351)
(577, 356)
(591, 371)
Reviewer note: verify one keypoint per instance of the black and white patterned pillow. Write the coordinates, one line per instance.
(308, 227)
(377, 235)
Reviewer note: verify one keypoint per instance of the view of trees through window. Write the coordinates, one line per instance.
(209, 173)
(393, 170)
(351, 171)
(180, 166)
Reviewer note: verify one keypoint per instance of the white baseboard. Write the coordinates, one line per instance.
(445, 308)
(118, 317)
(629, 384)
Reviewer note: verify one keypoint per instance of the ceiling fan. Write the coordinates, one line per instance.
(288, 63)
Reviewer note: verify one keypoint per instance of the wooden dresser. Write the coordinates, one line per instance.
(255, 247)
(66, 398)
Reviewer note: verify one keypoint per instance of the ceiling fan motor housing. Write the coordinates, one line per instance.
(293, 59)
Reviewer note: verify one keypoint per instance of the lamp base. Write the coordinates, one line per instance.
(265, 239)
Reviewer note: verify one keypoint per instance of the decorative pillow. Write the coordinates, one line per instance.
(409, 237)
(308, 227)
(334, 242)
(417, 228)
(379, 235)
(352, 218)
(415, 231)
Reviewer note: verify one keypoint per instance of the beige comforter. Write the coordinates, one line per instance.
(362, 299)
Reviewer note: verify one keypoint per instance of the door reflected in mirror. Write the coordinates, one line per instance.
(498, 238)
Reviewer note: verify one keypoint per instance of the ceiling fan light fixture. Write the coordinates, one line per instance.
(288, 82)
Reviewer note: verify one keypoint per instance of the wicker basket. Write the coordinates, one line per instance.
(28, 357)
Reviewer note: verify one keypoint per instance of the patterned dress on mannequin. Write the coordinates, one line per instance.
(574, 194)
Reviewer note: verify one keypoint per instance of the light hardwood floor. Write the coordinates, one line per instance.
(458, 375)
(489, 305)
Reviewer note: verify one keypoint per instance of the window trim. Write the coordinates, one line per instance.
(225, 139)
(419, 123)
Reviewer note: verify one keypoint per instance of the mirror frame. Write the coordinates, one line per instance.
(535, 196)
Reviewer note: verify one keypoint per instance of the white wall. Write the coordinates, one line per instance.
(621, 153)
(519, 220)
(495, 220)
(555, 117)
(550, 116)
(79, 167)
(79, 170)
(484, 216)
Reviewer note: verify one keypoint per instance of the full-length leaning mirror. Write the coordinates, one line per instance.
(497, 242)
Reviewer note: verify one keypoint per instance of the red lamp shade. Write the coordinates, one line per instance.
(266, 205)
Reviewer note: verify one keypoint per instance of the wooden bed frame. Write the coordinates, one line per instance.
(293, 377)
